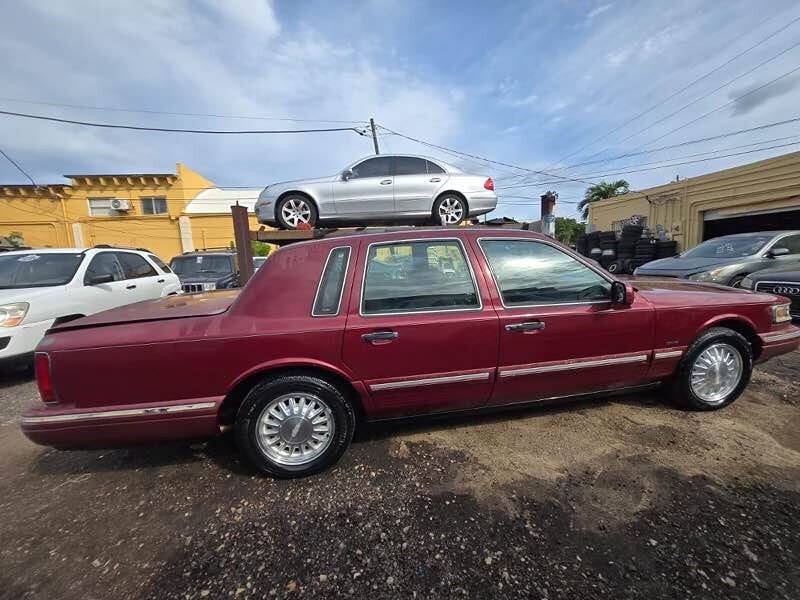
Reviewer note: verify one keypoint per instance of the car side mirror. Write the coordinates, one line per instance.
(775, 252)
(347, 175)
(622, 293)
(101, 278)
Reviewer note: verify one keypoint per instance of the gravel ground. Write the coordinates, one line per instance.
(624, 498)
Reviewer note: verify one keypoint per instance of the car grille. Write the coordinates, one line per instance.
(4, 342)
(788, 289)
(192, 288)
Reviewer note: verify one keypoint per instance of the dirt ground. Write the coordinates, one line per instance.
(622, 498)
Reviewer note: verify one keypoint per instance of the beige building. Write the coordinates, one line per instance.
(760, 196)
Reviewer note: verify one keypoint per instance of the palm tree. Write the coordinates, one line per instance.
(601, 191)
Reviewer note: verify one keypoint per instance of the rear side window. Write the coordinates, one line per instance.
(105, 263)
(135, 266)
(434, 168)
(424, 276)
(329, 293)
(409, 165)
(159, 263)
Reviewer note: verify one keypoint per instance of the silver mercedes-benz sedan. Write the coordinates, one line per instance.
(381, 189)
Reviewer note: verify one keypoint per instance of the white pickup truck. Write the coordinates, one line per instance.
(39, 288)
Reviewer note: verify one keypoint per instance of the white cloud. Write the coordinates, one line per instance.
(598, 10)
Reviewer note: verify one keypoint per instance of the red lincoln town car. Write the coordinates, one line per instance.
(378, 326)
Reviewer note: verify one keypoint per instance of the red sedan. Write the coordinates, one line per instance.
(386, 325)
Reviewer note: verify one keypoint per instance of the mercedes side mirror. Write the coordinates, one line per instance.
(622, 293)
(775, 252)
(347, 175)
(100, 278)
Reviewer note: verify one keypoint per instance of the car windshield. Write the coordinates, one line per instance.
(258, 261)
(729, 247)
(202, 264)
(37, 270)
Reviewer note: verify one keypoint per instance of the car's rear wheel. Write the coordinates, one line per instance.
(714, 370)
(294, 425)
(296, 211)
(449, 210)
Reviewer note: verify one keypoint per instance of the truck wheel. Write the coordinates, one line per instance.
(449, 210)
(294, 425)
(714, 370)
(295, 211)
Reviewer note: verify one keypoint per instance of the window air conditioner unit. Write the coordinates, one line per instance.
(118, 204)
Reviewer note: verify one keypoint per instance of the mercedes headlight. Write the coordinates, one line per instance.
(11, 315)
(712, 275)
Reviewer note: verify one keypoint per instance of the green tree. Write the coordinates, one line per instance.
(601, 191)
(567, 230)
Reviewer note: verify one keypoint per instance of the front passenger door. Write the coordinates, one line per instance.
(98, 297)
(560, 335)
(369, 192)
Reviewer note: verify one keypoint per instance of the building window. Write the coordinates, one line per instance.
(101, 207)
(156, 205)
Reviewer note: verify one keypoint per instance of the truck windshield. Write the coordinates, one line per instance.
(729, 247)
(200, 265)
(37, 270)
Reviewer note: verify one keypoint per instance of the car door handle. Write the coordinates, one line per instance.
(161, 280)
(380, 336)
(526, 326)
(131, 286)
(386, 182)
(435, 179)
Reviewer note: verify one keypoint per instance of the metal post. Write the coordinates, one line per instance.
(374, 136)
(241, 234)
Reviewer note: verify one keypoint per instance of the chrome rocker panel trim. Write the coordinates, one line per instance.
(572, 366)
(396, 385)
(113, 414)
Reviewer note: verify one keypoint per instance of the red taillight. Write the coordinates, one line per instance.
(41, 363)
(489, 184)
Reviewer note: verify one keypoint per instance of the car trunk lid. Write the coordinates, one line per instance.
(171, 307)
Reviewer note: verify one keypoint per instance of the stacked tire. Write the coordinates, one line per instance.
(666, 248)
(582, 245)
(593, 245)
(608, 248)
(644, 252)
(626, 248)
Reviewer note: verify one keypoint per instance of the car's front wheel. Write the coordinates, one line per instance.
(294, 425)
(714, 370)
(295, 211)
(449, 210)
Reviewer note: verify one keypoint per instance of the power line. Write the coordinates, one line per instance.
(170, 130)
(19, 168)
(681, 144)
(689, 85)
(488, 160)
(175, 114)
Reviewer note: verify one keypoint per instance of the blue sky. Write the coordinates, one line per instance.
(526, 83)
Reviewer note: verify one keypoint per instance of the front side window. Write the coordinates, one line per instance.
(373, 167)
(101, 207)
(530, 273)
(421, 276)
(135, 266)
(37, 270)
(105, 263)
(156, 205)
(409, 165)
(329, 293)
(790, 242)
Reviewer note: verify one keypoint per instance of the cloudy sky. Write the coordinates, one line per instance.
(540, 85)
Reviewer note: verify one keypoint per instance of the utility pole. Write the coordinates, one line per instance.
(374, 136)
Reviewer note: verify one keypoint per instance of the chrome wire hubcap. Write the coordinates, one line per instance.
(295, 429)
(716, 373)
(450, 211)
(295, 211)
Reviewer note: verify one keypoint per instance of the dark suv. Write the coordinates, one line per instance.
(205, 271)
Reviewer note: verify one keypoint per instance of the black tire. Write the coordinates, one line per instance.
(450, 198)
(679, 387)
(736, 282)
(261, 395)
(313, 215)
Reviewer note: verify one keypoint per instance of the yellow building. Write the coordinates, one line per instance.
(760, 196)
(167, 213)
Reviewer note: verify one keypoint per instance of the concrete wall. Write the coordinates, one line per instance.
(679, 206)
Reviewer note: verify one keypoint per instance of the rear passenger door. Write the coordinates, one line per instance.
(414, 187)
(420, 332)
(140, 276)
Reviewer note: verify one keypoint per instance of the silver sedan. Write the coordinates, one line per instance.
(381, 189)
